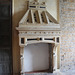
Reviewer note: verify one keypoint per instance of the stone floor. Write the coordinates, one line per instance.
(71, 72)
(55, 73)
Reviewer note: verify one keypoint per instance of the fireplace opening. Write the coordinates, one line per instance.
(37, 58)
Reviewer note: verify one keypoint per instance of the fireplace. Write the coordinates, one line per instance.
(39, 28)
(36, 57)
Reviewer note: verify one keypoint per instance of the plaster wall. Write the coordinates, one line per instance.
(52, 8)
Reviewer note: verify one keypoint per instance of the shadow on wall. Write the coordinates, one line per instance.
(16, 17)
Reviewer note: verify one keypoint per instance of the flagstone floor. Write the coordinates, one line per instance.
(72, 72)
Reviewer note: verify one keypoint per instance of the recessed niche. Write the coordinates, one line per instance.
(42, 17)
(36, 39)
(35, 17)
(29, 18)
(36, 57)
(58, 39)
(22, 40)
(49, 39)
(42, 7)
(33, 6)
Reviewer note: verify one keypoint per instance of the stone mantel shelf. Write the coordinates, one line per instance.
(42, 28)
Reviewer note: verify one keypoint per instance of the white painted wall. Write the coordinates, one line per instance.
(52, 8)
(36, 57)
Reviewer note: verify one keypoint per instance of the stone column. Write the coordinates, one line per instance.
(51, 61)
(22, 59)
(55, 58)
